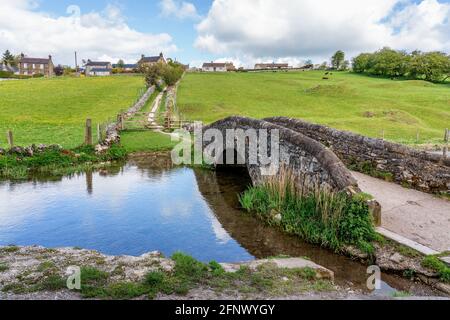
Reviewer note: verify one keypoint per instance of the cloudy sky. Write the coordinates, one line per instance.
(244, 31)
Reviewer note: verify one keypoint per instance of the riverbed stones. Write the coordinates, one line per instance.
(284, 263)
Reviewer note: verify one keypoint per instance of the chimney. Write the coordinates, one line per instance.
(50, 57)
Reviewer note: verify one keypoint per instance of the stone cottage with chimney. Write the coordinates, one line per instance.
(33, 66)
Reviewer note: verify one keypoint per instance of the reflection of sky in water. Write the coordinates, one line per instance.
(132, 213)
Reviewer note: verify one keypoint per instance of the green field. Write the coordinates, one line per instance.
(55, 110)
(346, 101)
(140, 141)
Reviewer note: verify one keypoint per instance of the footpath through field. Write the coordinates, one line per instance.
(414, 215)
(152, 115)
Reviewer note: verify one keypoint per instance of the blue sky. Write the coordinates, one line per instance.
(242, 31)
(144, 16)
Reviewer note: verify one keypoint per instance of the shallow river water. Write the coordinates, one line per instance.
(147, 205)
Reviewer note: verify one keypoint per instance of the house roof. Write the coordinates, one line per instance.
(98, 63)
(35, 60)
(214, 64)
(151, 59)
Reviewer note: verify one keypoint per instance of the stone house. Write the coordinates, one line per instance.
(32, 66)
(148, 61)
(98, 68)
(8, 68)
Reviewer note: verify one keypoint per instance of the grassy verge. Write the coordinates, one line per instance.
(141, 141)
(55, 161)
(331, 220)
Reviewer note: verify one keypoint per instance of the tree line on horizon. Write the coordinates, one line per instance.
(430, 66)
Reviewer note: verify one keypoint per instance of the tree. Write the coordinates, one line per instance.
(169, 73)
(323, 66)
(345, 65)
(8, 58)
(338, 59)
(120, 64)
(360, 63)
(436, 66)
(389, 63)
(59, 70)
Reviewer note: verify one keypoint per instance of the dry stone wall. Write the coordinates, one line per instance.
(406, 166)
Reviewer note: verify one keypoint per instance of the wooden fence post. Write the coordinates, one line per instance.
(9, 136)
(99, 133)
(88, 133)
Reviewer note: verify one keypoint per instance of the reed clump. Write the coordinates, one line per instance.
(313, 212)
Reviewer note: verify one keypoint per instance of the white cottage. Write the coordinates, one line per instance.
(214, 67)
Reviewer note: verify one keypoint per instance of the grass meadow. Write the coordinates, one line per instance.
(346, 101)
(55, 110)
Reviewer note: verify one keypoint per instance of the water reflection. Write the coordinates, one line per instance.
(147, 204)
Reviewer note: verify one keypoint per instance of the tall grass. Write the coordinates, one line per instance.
(314, 213)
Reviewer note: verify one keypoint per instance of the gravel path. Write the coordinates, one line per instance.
(415, 215)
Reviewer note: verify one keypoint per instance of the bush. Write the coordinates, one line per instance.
(322, 217)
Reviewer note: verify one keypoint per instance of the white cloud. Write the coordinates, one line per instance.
(315, 29)
(178, 9)
(95, 34)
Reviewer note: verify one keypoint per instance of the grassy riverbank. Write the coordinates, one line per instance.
(148, 276)
(359, 103)
(54, 111)
(55, 161)
(331, 220)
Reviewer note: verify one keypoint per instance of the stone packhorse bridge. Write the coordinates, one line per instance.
(322, 155)
(308, 159)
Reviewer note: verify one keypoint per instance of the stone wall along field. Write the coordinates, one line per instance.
(406, 166)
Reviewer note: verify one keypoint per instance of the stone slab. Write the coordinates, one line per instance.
(406, 242)
(288, 263)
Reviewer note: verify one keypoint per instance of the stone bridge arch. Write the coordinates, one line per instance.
(306, 157)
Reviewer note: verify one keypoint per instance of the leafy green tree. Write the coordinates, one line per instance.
(120, 64)
(345, 65)
(388, 62)
(8, 58)
(323, 66)
(361, 63)
(436, 66)
(170, 73)
(338, 59)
